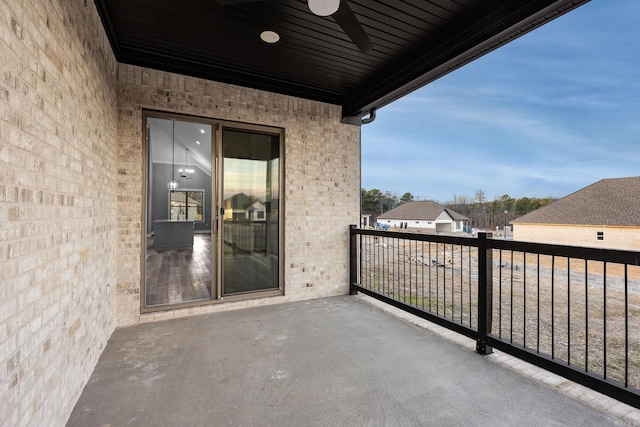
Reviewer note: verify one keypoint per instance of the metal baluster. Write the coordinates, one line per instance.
(524, 296)
(500, 295)
(511, 308)
(553, 308)
(626, 327)
(604, 318)
(538, 303)
(422, 274)
(586, 315)
(568, 311)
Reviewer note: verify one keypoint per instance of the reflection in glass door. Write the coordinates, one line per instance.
(250, 211)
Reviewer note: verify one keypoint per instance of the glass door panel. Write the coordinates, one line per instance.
(250, 211)
(179, 253)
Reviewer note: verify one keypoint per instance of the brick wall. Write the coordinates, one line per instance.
(322, 180)
(625, 238)
(57, 205)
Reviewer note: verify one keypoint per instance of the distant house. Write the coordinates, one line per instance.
(424, 215)
(605, 214)
(257, 211)
(241, 207)
(365, 219)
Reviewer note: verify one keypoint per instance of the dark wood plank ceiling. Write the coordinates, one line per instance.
(414, 43)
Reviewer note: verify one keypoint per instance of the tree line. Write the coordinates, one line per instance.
(481, 212)
(376, 202)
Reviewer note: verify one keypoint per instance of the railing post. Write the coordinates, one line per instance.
(485, 293)
(353, 259)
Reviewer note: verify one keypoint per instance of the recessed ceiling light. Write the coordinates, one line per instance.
(198, 142)
(201, 130)
(269, 36)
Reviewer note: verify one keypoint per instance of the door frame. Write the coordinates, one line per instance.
(216, 221)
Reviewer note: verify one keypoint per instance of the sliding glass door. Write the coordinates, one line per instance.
(212, 221)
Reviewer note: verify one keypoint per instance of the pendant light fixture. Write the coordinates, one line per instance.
(186, 172)
(173, 184)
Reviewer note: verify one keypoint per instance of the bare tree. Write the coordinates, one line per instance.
(481, 199)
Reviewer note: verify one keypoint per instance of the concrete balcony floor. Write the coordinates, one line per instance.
(340, 361)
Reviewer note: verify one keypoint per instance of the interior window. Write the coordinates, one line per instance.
(187, 205)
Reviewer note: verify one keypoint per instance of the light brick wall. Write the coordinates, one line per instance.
(322, 180)
(624, 238)
(57, 205)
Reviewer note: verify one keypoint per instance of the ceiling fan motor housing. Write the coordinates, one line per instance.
(323, 7)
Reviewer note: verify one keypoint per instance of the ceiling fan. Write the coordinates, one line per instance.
(339, 10)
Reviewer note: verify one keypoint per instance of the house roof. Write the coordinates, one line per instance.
(420, 211)
(613, 201)
(412, 43)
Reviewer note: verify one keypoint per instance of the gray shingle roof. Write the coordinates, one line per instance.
(423, 210)
(614, 201)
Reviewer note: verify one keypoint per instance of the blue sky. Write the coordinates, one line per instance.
(546, 115)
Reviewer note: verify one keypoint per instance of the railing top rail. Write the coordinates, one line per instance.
(579, 252)
(463, 241)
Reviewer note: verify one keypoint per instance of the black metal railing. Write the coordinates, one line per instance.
(574, 311)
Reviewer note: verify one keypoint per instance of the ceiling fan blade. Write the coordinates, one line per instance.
(232, 2)
(347, 20)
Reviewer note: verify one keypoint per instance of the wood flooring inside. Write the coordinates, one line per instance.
(177, 276)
